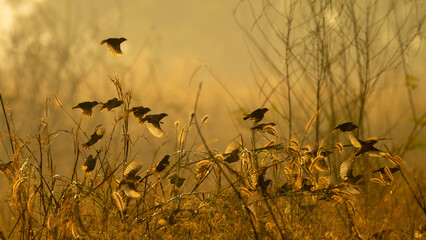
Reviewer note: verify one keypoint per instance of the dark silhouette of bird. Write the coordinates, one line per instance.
(111, 104)
(89, 164)
(153, 124)
(139, 113)
(94, 138)
(346, 172)
(128, 184)
(366, 146)
(162, 164)
(113, 45)
(231, 152)
(176, 180)
(86, 107)
(257, 115)
(345, 127)
(263, 183)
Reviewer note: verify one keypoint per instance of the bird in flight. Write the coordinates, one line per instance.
(257, 115)
(86, 107)
(346, 127)
(113, 45)
(153, 124)
(366, 146)
(346, 172)
(111, 104)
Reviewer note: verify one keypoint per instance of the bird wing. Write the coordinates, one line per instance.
(133, 168)
(131, 192)
(233, 146)
(354, 141)
(345, 169)
(114, 49)
(155, 129)
(88, 112)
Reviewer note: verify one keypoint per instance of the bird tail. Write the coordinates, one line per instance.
(245, 116)
(104, 41)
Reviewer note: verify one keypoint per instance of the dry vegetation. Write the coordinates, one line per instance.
(311, 174)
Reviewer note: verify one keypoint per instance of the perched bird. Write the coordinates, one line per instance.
(94, 138)
(176, 180)
(86, 107)
(266, 128)
(257, 115)
(89, 164)
(346, 172)
(139, 112)
(153, 124)
(113, 45)
(345, 127)
(162, 164)
(111, 104)
(128, 184)
(366, 146)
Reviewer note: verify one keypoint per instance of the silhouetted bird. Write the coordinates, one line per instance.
(346, 172)
(257, 115)
(113, 45)
(231, 152)
(139, 112)
(86, 107)
(111, 104)
(162, 164)
(176, 180)
(128, 184)
(263, 183)
(89, 164)
(94, 138)
(346, 127)
(366, 146)
(153, 124)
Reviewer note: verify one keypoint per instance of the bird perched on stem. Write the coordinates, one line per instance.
(86, 107)
(113, 45)
(257, 115)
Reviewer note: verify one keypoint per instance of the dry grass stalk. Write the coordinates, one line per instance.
(311, 121)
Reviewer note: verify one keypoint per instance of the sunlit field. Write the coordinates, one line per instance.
(213, 120)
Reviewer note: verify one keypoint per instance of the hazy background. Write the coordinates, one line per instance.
(52, 47)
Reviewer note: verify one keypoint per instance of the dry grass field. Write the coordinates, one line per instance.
(326, 140)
